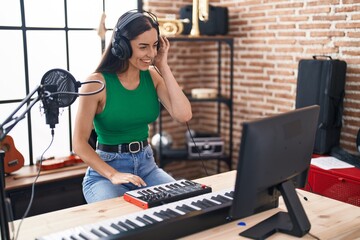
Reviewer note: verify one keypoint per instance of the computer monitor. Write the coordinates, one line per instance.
(274, 160)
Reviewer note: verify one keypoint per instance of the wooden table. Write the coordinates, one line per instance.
(54, 190)
(330, 219)
(25, 176)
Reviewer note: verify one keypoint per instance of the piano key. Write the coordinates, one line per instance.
(143, 220)
(157, 189)
(177, 211)
(167, 213)
(224, 198)
(230, 194)
(117, 227)
(150, 219)
(210, 203)
(198, 204)
(172, 213)
(124, 225)
(185, 208)
(150, 212)
(169, 187)
(111, 227)
(132, 224)
(132, 218)
(104, 230)
(141, 193)
(217, 198)
(83, 236)
(161, 214)
(83, 231)
(97, 233)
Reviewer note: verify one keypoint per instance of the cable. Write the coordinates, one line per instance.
(79, 94)
(198, 150)
(310, 187)
(157, 70)
(312, 235)
(33, 186)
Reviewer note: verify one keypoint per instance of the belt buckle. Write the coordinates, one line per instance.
(137, 150)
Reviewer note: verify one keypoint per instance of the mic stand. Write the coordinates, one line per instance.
(5, 128)
(5, 232)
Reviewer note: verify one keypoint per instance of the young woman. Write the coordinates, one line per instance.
(137, 76)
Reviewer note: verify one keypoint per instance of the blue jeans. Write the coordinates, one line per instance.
(97, 188)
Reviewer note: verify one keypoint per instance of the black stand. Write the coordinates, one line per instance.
(5, 232)
(5, 128)
(294, 222)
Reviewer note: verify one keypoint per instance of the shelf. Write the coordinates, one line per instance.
(220, 99)
(186, 38)
(163, 155)
(179, 156)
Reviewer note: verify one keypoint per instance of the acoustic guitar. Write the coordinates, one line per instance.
(13, 160)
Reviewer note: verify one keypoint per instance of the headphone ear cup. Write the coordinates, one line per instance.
(121, 48)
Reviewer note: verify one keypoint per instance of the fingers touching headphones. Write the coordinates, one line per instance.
(162, 53)
(164, 43)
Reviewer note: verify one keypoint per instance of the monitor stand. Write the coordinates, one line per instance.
(294, 222)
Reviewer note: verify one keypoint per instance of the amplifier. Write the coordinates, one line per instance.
(205, 144)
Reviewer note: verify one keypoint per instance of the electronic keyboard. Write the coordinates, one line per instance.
(169, 221)
(165, 193)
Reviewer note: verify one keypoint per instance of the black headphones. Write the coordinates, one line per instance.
(121, 46)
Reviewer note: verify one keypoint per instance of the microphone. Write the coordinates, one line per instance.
(59, 89)
(51, 105)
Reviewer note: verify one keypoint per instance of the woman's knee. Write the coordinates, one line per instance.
(102, 190)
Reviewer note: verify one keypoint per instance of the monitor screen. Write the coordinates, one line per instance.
(274, 159)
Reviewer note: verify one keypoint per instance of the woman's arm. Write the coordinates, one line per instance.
(168, 90)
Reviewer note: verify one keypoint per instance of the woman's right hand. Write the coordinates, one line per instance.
(121, 178)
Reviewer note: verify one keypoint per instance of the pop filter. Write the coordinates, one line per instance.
(66, 85)
(60, 89)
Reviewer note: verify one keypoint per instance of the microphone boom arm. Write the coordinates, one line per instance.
(12, 120)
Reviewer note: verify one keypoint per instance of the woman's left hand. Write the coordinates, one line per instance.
(162, 53)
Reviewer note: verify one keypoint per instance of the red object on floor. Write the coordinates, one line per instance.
(339, 184)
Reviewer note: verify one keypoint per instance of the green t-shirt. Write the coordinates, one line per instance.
(127, 113)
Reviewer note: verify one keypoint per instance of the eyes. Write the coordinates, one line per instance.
(146, 46)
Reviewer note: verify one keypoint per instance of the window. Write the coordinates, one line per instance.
(40, 35)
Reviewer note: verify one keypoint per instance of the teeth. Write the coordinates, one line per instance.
(147, 61)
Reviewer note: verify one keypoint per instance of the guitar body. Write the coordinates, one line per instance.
(55, 163)
(13, 160)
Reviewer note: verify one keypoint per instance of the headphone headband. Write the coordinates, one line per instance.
(130, 17)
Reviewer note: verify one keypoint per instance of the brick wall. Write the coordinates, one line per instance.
(271, 36)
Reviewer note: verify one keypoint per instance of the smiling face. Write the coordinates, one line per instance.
(144, 49)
